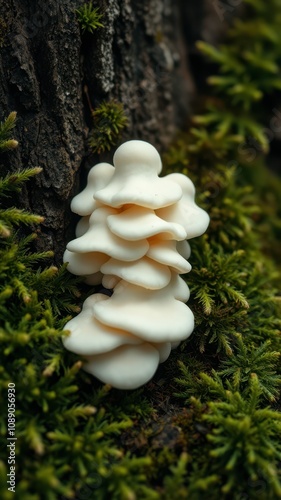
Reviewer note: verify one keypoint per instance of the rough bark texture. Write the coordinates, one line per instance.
(140, 58)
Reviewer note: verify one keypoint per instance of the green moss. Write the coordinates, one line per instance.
(6, 142)
(109, 120)
(89, 17)
(248, 70)
(206, 427)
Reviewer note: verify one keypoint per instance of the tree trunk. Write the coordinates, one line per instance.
(139, 58)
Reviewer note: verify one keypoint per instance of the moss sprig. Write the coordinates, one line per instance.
(6, 127)
(89, 17)
(243, 435)
(109, 120)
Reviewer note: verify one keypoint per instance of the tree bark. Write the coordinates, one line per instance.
(139, 58)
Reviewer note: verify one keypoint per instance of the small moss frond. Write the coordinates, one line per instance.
(89, 17)
(6, 127)
(109, 120)
(217, 279)
(13, 182)
(177, 480)
(230, 127)
(10, 217)
(190, 381)
(245, 361)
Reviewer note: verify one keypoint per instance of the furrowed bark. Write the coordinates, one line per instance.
(139, 58)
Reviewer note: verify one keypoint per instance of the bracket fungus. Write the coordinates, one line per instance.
(131, 238)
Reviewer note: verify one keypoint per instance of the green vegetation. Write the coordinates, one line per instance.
(249, 68)
(109, 120)
(89, 17)
(208, 425)
(6, 127)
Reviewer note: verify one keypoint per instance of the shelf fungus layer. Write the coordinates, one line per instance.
(132, 239)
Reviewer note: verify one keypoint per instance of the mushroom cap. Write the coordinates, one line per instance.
(166, 253)
(143, 272)
(185, 182)
(109, 281)
(88, 336)
(135, 180)
(127, 367)
(84, 264)
(136, 223)
(138, 153)
(185, 212)
(99, 238)
(98, 177)
(153, 315)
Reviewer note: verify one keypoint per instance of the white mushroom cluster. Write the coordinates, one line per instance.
(132, 238)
